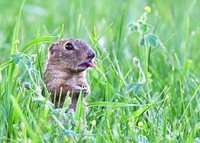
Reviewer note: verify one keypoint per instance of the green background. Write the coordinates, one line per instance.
(169, 107)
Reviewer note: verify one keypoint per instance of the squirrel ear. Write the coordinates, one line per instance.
(52, 49)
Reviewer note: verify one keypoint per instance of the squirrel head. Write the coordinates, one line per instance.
(71, 54)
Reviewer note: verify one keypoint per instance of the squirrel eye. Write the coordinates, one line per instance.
(69, 46)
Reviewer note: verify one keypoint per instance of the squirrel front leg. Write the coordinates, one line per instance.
(75, 91)
(84, 89)
(58, 94)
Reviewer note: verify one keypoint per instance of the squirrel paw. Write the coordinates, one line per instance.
(79, 89)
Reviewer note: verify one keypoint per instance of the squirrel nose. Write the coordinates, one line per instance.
(91, 54)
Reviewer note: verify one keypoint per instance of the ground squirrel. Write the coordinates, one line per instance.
(65, 70)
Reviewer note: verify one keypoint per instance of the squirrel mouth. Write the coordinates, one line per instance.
(86, 65)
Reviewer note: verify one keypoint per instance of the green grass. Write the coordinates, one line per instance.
(165, 108)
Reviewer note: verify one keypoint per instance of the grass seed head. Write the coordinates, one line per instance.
(147, 9)
(94, 123)
(140, 124)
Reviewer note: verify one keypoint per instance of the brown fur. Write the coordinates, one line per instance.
(63, 71)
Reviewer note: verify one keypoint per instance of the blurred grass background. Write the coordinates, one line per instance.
(175, 118)
(46, 18)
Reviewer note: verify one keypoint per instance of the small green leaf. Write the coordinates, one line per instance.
(28, 64)
(152, 40)
(17, 59)
(141, 42)
(131, 26)
(143, 27)
(137, 89)
(131, 86)
(13, 56)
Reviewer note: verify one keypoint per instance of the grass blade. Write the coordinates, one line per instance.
(114, 104)
(38, 40)
(62, 31)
